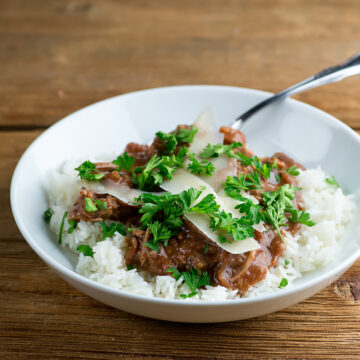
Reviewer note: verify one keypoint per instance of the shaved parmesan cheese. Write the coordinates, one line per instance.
(182, 180)
(224, 167)
(209, 134)
(121, 192)
(231, 203)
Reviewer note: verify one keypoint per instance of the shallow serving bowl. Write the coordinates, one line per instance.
(307, 134)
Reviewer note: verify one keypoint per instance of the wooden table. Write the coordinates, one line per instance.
(58, 56)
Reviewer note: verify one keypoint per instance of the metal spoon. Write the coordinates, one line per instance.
(332, 74)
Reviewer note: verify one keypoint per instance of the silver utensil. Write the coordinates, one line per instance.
(332, 74)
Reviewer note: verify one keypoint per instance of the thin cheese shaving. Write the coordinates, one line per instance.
(209, 134)
(183, 180)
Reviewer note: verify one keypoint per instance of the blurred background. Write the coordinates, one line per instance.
(58, 56)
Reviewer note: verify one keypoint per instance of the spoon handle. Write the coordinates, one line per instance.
(332, 74)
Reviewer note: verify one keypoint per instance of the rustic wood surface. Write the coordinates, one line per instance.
(58, 56)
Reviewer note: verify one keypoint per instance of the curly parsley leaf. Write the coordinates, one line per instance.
(263, 168)
(278, 204)
(238, 228)
(86, 250)
(253, 212)
(332, 181)
(200, 168)
(170, 164)
(124, 162)
(233, 185)
(207, 205)
(102, 205)
(302, 217)
(90, 206)
(110, 230)
(87, 171)
(186, 135)
(145, 177)
(160, 232)
(193, 278)
(293, 170)
(72, 226)
(214, 151)
(169, 140)
(48, 215)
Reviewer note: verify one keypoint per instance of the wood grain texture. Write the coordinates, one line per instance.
(57, 56)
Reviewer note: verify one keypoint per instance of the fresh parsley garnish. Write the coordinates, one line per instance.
(87, 171)
(160, 232)
(86, 250)
(62, 226)
(278, 178)
(214, 151)
(238, 228)
(124, 162)
(130, 267)
(233, 188)
(102, 205)
(283, 283)
(145, 177)
(279, 206)
(332, 181)
(263, 168)
(90, 206)
(251, 211)
(180, 136)
(157, 169)
(276, 203)
(47, 215)
(72, 226)
(193, 278)
(110, 230)
(171, 207)
(301, 217)
(186, 135)
(248, 181)
(200, 168)
(169, 140)
(293, 170)
(287, 262)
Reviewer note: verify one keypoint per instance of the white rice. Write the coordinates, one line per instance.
(310, 249)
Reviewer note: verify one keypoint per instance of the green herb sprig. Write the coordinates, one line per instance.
(110, 230)
(124, 162)
(87, 171)
(180, 136)
(86, 250)
(193, 278)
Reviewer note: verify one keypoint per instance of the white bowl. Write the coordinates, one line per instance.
(305, 133)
